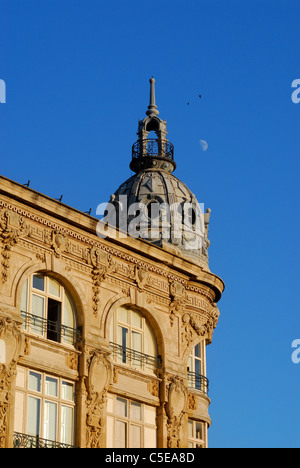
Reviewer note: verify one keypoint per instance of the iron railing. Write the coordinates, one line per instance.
(198, 382)
(54, 331)
(30, 441)
(135, 358)
(152, 148)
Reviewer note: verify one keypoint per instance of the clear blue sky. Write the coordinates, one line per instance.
(77, 76)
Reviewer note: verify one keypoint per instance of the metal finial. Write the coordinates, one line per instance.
(152, 108)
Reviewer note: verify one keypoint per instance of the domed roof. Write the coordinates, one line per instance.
(154, 205)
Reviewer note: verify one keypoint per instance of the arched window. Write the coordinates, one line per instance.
(196, 369)
(133, 341)
(48, 310)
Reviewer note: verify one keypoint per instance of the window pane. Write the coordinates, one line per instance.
(150, 415)
(197, 350)
(33, 417)
(121, 407)
(67, 425)
(39, 282)
(135, 411)
(197, 366)
(68, 321)
(150, 438)
(68, 391)
(24, 298)
(123, 315)
(136, 319)
(199, 431)
(38, 312)
(54, 287)
(51, 386)
(122, 339)
(190, 429)
(136, 339)
(34, 382)
(121, 434)
(50, 420)
(135, 437)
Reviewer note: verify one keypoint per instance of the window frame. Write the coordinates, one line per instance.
(41, 325)
(129, 421)
(44, 397)
(129, 355)
(194, 441)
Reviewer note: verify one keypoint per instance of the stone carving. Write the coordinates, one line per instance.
(176, 408)
(103, 264)
(141, 277)
(11, 228)
(99, 378)
(177, 293)
(11, 344)
(192, 402)
(193, 325)
(58, 243)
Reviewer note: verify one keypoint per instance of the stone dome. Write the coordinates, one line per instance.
(156, 206)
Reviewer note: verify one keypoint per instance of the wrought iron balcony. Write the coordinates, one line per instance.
(153, 148)
(29, 441)
(135, 358)
(54, 331)
(198, 382)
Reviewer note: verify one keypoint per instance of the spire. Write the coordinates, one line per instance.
(150, 153)
(152, 108)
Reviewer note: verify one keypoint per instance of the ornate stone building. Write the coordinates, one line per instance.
(102, 334)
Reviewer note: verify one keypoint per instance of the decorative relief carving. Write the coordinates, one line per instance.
(141, 277)
(176, 408)
(200, 325)
(192, 402)
(12, 226)
(72, 361)
(177, 293)
(99, 378)
(102, 264)
(153, 388)
(11, 343)
(59, 243)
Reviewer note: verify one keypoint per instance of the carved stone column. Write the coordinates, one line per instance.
(11, 342)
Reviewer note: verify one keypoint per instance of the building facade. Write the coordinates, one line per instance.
(103, 335)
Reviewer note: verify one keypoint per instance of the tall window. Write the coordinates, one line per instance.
(48, 310)
(196, 434)
(45, 407)
(196, 369)
(130, 424)
(133, 341)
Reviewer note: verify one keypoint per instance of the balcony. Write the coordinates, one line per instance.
(29, 441)
(152, 153)
(198, 382)
(54, 331)
(134, 358)
(153, 148)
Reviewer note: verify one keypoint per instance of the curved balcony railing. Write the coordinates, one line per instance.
(29, 441)
(198, 382)
(153, 148)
